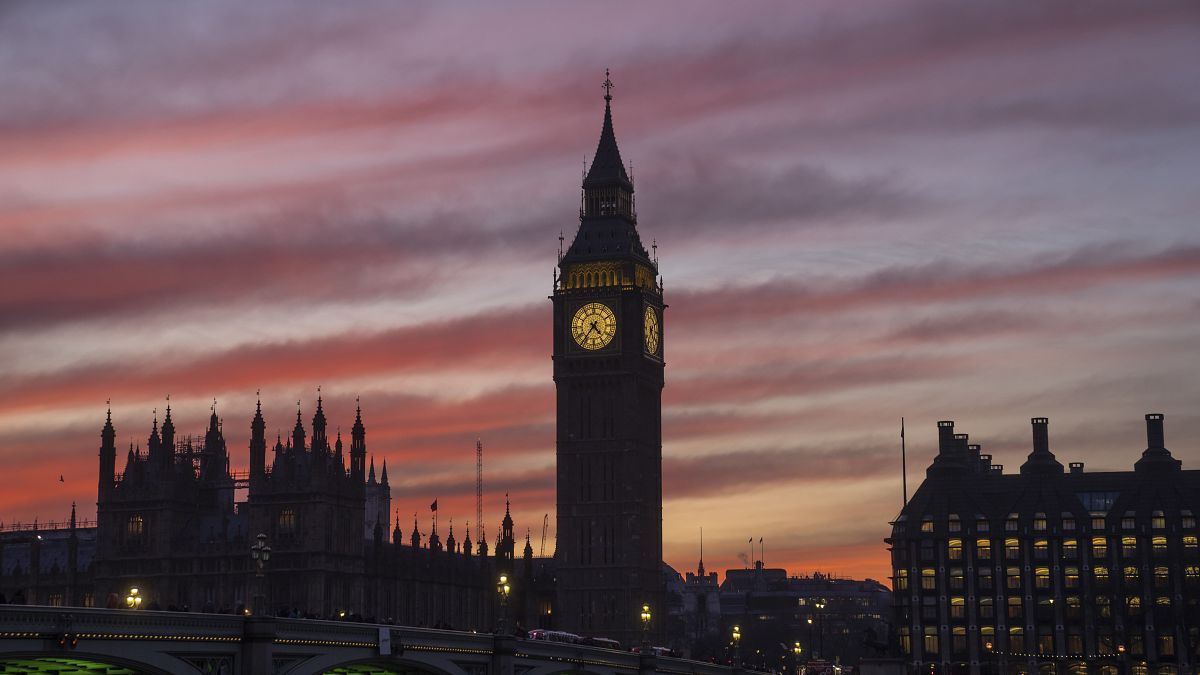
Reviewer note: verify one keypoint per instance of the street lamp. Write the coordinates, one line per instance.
(820, 605)
(260, 553)
(133, 600)
(737, 639)
(796, 654)
(503, 589)
(645, 625)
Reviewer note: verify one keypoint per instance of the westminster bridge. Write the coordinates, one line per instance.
(36, 639)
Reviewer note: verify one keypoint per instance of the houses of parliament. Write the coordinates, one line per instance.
(168, 523)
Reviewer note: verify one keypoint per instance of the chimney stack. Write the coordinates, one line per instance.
(1041, 460)
(1154, 431)
(1041, 434)
(1156, 457)
(945, 436)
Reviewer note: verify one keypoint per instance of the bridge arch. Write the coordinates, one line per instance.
(567, 669)
(69, 663)
(339, 664)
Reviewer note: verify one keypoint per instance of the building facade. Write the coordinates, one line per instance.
(1049, 570)
(169, 526)
(608, 371)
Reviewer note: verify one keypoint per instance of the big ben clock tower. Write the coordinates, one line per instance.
(608, 370)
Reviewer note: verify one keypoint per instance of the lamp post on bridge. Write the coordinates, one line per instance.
(645, 628)
(737, 641)
(503, 589)
(260, 553)
(133, 600)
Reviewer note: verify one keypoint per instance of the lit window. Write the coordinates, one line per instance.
(1041, 550)
(954, 549)
(901, 581)
(1041, 577)
(1071, 577)
(1187, 520)
(1162, 577)
(1099, 547)
(1014, 608)
(1157, 520)
(1012, 548)
(1068, 522)
(928, 580)
(1163, 601)
(956, 578)
(983, 549)
(1013, 577)
(1097, 522)
(1039, 522)
(1074, 607)
(1016, 639)
(1166, 645)
(1131, 575)
(905, 641)
(136, 527)
(287, 522)
(1129, 547)
(927, 524)
(985, 578)
(1133, 605)
(1070, 549)
(1100, 573)
(1190, 544)
(1127, 521)
(959, 635)
(1103, 607)
(930, 643)
(958, 608)
(1159, 545)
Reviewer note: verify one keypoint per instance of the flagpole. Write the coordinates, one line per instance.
(903, 463)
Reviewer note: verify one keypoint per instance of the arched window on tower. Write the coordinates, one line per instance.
(135, 529)
(287, 522)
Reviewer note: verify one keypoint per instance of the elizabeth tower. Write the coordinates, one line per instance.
(608, 370)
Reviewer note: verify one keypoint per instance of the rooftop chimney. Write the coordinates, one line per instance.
(1154, 431)
(1041, 460)
(952, 450)
(1156, 457)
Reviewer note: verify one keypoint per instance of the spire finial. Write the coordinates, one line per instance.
(608, 85)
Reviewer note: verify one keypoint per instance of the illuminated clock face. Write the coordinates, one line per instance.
(650, 323)
(594, 325)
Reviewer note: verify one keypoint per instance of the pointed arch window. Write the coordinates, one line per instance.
(135, 529)
(287, 522)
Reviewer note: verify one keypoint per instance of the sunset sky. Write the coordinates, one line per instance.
(977, 211)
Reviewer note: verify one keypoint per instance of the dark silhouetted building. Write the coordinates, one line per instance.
(608, 369)
(169, 526)
(1051, 569)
